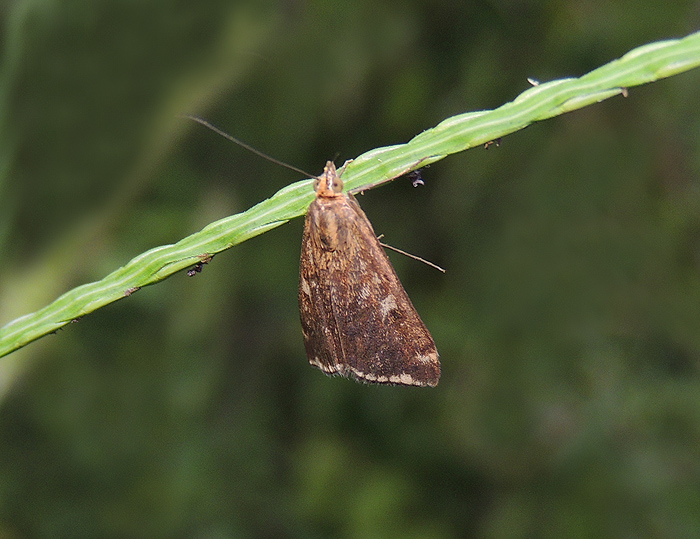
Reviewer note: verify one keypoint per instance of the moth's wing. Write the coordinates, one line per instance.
(321, 337)
(382, 337)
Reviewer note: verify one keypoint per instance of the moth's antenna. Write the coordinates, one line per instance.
(244, 145)
(409, 255)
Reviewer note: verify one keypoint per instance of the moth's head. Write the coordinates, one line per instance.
(328, 184)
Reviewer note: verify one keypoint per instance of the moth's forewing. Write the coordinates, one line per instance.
(321, 336)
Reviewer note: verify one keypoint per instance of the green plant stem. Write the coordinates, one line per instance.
(640, 66)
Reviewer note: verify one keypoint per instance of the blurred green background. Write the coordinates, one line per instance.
(568, 321)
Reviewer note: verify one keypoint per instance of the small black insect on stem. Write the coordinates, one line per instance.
(415, 177)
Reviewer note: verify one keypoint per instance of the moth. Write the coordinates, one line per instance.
(356, 317)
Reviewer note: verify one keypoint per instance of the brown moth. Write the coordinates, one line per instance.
(356, 318)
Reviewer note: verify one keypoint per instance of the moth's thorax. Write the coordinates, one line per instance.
(329, 217)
